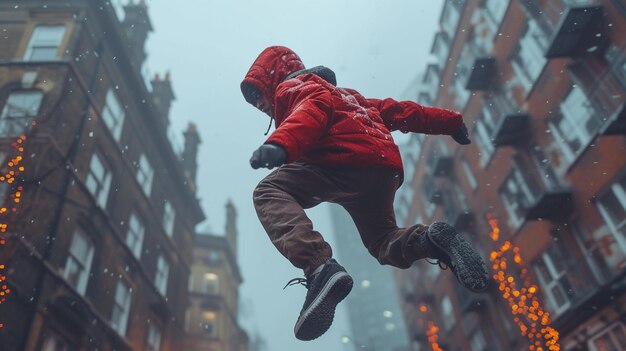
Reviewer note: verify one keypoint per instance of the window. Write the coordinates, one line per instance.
(44, 43)
(121, 307)
(78, 264)
(134, 236)
(447, 313)
(484, 131)
(617, 60)
(471, 178)
(496, 9)
(515, 195)
(441, 48)
(210, 283)
(450, 18)
(113, 114)
(431, 80)
(98, 180)
(161, 275)
(601, 250)
(612, 206)
(168, 218)
(145, 174)
(612, 339)
(529, 60)
(575, 124)
(463, 70)
(541, 162)
(552, 273)
(153, 343)
(209, 323)
(19, 111)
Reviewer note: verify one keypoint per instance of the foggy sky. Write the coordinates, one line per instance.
(377, 47)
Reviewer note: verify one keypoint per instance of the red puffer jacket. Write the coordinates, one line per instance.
(323, 124)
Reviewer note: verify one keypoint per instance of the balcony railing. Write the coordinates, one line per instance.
(580, 30)
(545, 201)
(483, 74)
(548, 203)
(512, 129)
(441, 166)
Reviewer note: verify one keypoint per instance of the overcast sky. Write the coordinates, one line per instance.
(377, 47)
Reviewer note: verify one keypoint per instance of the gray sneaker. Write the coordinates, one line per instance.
(451, 250)
(325, 290)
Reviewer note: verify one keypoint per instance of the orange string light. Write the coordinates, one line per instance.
(432, 330)
(532, 320)
(12, 171)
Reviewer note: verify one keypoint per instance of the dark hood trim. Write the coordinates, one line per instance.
(323, 72)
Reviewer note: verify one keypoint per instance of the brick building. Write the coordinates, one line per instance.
(98, 252)
(212, 317)
(541, 191)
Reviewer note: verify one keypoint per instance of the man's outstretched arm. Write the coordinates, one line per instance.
(408, 116)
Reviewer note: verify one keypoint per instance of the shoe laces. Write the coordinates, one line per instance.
(295, 281)
(441, 264)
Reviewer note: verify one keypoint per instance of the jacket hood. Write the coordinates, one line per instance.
(269, 69)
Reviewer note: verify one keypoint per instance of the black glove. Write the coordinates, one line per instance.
(268, 156)
(462, 136)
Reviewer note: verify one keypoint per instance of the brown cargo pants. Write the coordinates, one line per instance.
(366, 193)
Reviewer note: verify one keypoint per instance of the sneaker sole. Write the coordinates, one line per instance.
(469, 267)
(317, 319)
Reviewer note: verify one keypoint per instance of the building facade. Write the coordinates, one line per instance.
(373, 307)
(99, 212)
(212, 317)
(540, 192)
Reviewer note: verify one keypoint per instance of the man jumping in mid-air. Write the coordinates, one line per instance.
(334, 145)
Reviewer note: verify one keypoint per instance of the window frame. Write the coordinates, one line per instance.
(7, 118)
(556, 276)
(169, 218)
(608, 331)
(161, 274)
(583, 136)
(102, 183)
(55, 43)
(153, 338)
(525, 55)
(137, 233)
(84, 263)
(210, 286)
(113, 114)
(447, 313)
(122, 307)
(516, 178)
(618, 191)
(145, 174)
(208, 321)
